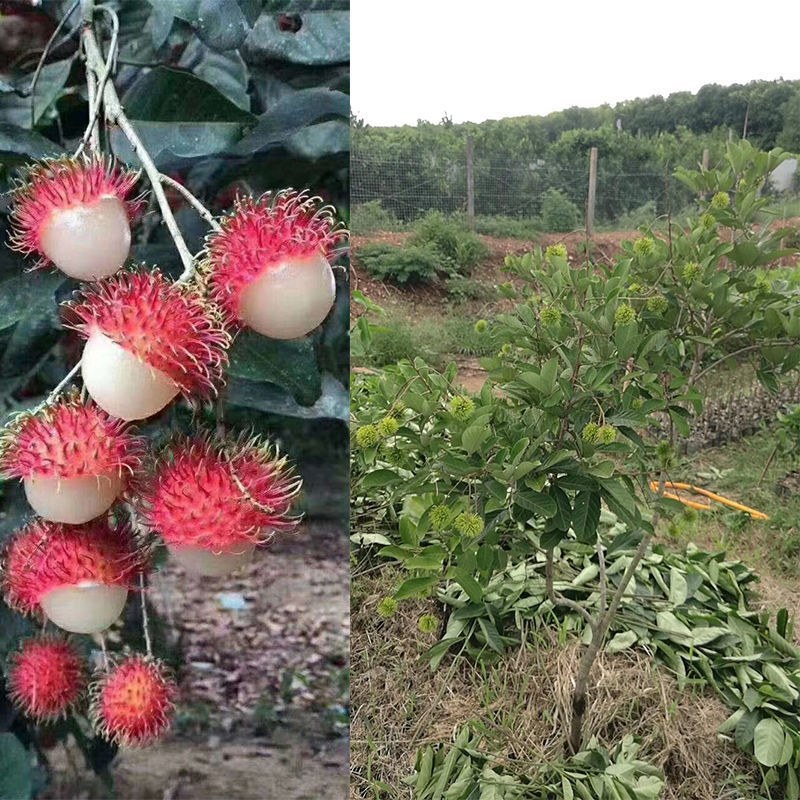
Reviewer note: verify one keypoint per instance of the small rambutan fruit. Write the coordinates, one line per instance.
(77, 575)
(133, 703)
(146, 341)
(269, 267)
(73, 459)
(214, 502)
(75, 214)
(47, 678)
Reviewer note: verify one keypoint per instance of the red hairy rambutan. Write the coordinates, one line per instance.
(47, 678)
(133, 704)
(147, 340)
(78, 575)
(268, 268)
(75, 214)
(72, 458)
(214, 502)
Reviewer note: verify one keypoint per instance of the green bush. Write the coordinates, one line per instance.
(372, 217)
(559, 213)
(461, 247)
(401, 265)
(395, 341)
(462, 289)
(508, 227)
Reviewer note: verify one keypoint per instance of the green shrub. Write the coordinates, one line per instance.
(462, 289)
(395, 341)
(559, 213)
(636, 217)
(458, 335)
(508, 227)
(372, 217)
(461, 247)
(402, 265)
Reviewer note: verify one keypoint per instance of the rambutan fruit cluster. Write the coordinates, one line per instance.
(101, 497)
(131, 701)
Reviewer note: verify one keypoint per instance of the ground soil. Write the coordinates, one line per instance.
(296, 617)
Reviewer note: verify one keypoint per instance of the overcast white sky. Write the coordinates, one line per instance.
(417, 59)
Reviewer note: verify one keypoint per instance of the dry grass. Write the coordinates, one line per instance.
(522, 702)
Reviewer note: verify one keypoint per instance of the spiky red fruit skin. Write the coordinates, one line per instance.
(60, 183)
(261, 233)
(68, 440)
(133, 704)
(193, 499)
(44, 556)
(47, 678)
(168, 326)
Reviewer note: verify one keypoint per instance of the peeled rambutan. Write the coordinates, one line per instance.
(73, 459)
(268, 268)
(75, 214)
(77, 575)
(147, 340)
(47, 678)
(214, 502)
(133, 703)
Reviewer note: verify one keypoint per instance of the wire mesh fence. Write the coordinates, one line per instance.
(409, 187)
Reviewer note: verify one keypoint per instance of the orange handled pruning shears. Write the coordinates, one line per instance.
(677, 487)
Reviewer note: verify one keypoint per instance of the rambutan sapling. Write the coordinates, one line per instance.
(47, 678)
(75, 214)
(77, 575)
(133, 703)
(214, 502)
(147, 340)
(269, 267)
(73, 459)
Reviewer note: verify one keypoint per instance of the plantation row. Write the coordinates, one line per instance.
(537, 502)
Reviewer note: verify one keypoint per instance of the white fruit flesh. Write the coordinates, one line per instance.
(289, 299)
(206, 562)
(88, 242)
(86, 607)
(120, 383)
(72, 500)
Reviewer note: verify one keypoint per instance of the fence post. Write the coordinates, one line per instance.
(470, 184)
(706, 159)
(591, 197)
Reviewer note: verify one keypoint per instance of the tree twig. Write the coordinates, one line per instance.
(558, 599)
(115, 115)
(192, 200)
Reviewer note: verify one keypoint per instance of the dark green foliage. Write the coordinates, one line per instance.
(402, 265)
(372, 217)
(559, 213)
(459, 246)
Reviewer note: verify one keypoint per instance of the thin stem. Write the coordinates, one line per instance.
(96, 87)
(145, 621)
(558, 599)
(115, 115)
(59, 388)
(103, 648)
(192, 200)
(43, 58)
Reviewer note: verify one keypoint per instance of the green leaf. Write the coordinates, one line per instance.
(586, 516)
(492, 636)
(563, 516)
(416, 587)
(323, 38)
(291, 114)
(474, 436)
(622, 641)
(333, 402)
(16, 777)
(225, 71)
(538, 502)
(50, 85)
(378, 478)
(768, 740)
(222, 24)
(678, 588)
(22, 293)
(290, 364)
(25, 144)
(468, 584)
